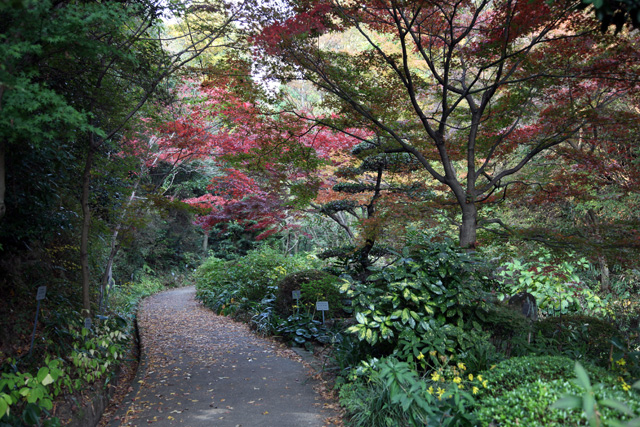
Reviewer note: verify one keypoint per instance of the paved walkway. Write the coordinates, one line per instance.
(200, 369)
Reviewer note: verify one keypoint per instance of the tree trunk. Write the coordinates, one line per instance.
(205, 242)
(605, 279)
(86, 226)
(469, 226)
(114, 247)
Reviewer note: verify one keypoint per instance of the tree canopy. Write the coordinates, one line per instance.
(473, 90)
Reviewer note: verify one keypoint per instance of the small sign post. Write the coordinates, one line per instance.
(322, 306)
(87, 323)
(40, 295)
(296, 296)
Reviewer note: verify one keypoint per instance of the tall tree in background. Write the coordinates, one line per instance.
(584, 194)
(473, 90)
(73, 76)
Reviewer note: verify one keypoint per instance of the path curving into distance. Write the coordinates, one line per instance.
(201, 369)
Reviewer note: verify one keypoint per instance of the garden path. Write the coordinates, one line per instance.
(201, 369)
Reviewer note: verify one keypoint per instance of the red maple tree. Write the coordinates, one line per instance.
(474, 91)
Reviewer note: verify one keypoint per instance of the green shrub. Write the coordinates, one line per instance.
(323, 289)
(390, 393)
(26, 396)
(529, 404)
(125, 298)
(595, 404)
(508, 329)
(579, 336)
(315, 285)
(367, 404)
(512, 373)
(419, 303)
(246, 286)
(303, 329)
(519, 391)
(346, 355)
(556, 285)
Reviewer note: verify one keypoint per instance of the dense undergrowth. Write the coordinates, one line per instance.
(428, 339)
(69, 356)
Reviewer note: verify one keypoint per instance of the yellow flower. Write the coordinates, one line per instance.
(435, 376)
(457, 380)
(461, 366)
(420, 356)
(479, 377)
(461, 387)
(625, 386)
(470, 377)
(484, 383)
(440, 391)
(475, 390)
(621, 362)
(433, 352)
(430, 390)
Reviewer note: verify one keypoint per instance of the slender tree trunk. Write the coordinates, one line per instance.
(205, 242)
(115, 247)
(86, 226)
(469, 226)
(370, 241)
(605, 278)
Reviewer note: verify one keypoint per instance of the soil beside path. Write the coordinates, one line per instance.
(201, 369)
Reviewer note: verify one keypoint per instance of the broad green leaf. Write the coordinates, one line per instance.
(583, 377)
(567, 402)
(362, 332)
(369, 335)
(589, 405)
(4, 408)
(42, 373)
(405, 315)
(47, 380)
(618, 406)
(46, 404)
(354, 329)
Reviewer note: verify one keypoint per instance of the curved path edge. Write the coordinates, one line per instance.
(201, 369)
